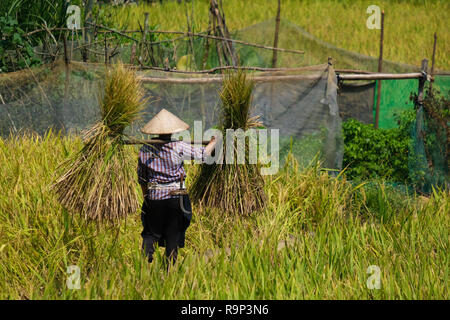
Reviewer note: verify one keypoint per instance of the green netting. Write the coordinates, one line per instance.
(442, 83)
(395, 98)
(428, 166)
(300, 104)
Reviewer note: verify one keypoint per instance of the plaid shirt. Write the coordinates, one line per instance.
(163, 163)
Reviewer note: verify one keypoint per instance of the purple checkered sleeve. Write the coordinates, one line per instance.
(164, 164)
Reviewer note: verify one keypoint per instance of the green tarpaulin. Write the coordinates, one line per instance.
(395, 98)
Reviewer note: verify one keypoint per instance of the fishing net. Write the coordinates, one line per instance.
(302, 104)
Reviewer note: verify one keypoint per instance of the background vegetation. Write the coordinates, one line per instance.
(18, 17)
(373, 153)
(408, 35)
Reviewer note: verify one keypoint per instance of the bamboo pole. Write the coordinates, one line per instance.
(88, 32)
(106, 52)
(380, 69)
(200, 35)
(144, 52)
(191, 40)
(184, 34)
(66, 53)
(66, 81)
(219, 78)
(419, 105)
(380, 76)
(159, 141)
(275, 40)
(433, 61)
(212, 70)
(422, 81)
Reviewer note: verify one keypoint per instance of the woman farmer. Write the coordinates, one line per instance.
(166, 212)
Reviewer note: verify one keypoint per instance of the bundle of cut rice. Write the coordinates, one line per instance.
(232, 187)
(97, 181)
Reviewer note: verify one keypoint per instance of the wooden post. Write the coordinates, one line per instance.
(419, 107)
(106, 52)
(220, 29)
(191, 41)
(133, 53)
(142, 44)
(433, 61)
(66, 53)
(87, 32)
(145, 35)
(275, 40)
(58, 113)
(380, 69)
(422, 81)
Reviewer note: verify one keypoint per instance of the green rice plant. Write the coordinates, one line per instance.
(314, 239)
(408, 38)
(95, 182)
(233, 187)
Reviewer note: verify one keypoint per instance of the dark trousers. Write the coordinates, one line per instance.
(165, 223)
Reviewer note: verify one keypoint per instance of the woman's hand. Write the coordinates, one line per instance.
(210, 146)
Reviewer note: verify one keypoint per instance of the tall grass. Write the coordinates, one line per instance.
(408, 35)
(316, 239)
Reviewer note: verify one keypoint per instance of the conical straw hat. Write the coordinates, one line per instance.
(164, 122)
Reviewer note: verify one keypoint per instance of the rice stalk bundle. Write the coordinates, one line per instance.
(97, 181)
(232, 188)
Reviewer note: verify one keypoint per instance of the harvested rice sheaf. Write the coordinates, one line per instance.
(97, 181)
(231, 187)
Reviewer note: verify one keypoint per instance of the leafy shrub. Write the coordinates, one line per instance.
(18, 17)
(372, 153)
(15, 51)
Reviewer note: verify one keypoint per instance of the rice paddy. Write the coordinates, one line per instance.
(408, 35)
(310, 235)
(315, 239)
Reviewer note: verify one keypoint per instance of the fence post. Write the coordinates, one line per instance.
(275, 40)
(87, 32)
(380, 69)
(66, 53)
(433, 61)
(106, 52)
(143, 45)
(422, 81)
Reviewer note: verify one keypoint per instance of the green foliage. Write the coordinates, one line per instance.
(20, 17)
(371, 153)
(16, 51)
(33, 14)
